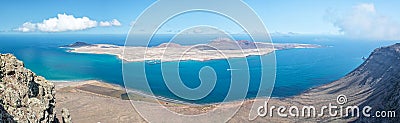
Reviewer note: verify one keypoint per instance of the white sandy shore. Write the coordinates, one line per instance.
(174, 52)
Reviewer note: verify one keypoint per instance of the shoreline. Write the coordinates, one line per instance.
(169, 52)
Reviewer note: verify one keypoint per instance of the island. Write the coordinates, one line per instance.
(222, 48)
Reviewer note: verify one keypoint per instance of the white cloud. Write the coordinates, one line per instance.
(64, 22)
(363, 21)
(27, 27)
(114, 22)
(368, 7)
(105, 23)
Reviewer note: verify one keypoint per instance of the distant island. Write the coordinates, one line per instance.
(77, 44)
(222, 48)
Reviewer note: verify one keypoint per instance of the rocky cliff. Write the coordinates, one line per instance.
(24, 96)
(380, 73)
(375, 83)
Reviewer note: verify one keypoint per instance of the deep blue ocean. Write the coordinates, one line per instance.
(297, 69)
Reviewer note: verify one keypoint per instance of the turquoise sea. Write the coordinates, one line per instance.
(297, 69)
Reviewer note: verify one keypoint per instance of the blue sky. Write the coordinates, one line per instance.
(305, 16)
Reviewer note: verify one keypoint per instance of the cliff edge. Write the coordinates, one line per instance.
(24, 96)
(375, 83)
(380, 75)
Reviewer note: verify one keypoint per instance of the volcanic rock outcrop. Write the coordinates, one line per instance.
(24, 96)
(77, 44)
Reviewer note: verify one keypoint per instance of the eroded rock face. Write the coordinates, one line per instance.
(381, 72)
(24, 96)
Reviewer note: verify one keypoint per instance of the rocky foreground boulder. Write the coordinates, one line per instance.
(24, 96)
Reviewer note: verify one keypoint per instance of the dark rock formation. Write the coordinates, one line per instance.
(78, 44)
(24, 96)
(247, 44)
(66, 117)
